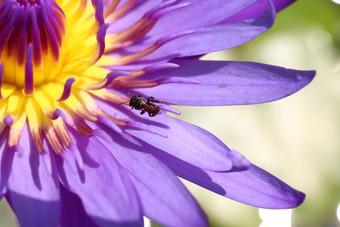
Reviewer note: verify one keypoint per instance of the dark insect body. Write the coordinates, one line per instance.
(139, 103)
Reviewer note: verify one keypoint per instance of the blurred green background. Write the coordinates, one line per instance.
(297, 138)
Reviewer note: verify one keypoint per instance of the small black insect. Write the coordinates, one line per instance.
(139, 103)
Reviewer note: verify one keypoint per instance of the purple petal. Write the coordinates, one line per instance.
(227, 83)
(34, 212)
(177, 138)
(217, 37)
(32, 192)
(104, 188)
(184, 141)
(257, 9)
(6, 159)
(163, 197)
(133, 15)
(213, 11)
(239, 161)
(254, 186)
(281, 4)
(203, 35)
(197, 15)
(72, 210)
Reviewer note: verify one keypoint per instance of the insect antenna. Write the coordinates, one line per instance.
(126, 100)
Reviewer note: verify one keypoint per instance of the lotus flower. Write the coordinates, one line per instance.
(85, 91)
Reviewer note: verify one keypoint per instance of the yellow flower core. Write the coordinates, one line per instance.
(51, 65)
(77, 59)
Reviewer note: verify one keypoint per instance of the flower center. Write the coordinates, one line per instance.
(31, 2)
(31, 38)
(41, 58)
(50, 75)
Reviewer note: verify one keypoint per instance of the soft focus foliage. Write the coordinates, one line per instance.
(296, 138)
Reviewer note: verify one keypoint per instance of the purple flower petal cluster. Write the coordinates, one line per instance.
(77, 150)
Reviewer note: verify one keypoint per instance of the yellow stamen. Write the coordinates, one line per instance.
(76, 53)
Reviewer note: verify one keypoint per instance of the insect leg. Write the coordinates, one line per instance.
(152, 99)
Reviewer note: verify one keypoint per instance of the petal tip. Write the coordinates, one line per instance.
(299, 198)
(306, 76)
(239, 162)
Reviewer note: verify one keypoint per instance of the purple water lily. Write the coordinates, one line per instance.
(85, 88)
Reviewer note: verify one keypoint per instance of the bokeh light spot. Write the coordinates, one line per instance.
(338, 213)
(275, 218)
